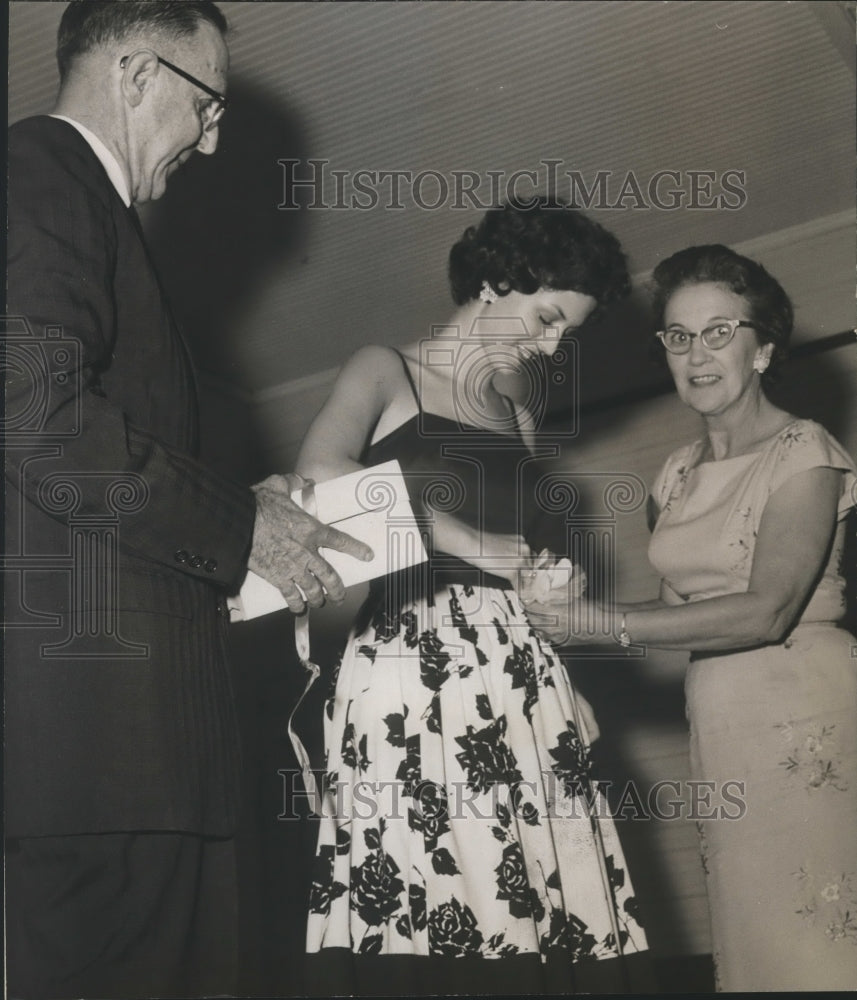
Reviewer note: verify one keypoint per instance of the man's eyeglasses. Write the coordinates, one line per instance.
(713, 337)
(210, 111)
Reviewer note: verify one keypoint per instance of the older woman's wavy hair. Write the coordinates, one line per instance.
(770, 308)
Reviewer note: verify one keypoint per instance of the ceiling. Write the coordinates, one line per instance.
(758, 98)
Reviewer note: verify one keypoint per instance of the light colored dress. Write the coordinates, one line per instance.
(464, 849)
(778, 722)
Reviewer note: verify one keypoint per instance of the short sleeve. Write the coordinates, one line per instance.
(807, 445)
(670, 480)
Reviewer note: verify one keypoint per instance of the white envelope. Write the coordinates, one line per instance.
(370, 504)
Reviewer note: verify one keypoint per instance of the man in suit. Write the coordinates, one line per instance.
(122, 754)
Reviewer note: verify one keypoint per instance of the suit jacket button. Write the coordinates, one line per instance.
(210, 565)
(195, 562)
(181, 556)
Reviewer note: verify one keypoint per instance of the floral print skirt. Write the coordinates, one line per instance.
(779, 725)
(460, 821)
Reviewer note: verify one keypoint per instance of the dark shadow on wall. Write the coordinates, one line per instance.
(216, 236)
(609, 357)
(813, 384)
(278, 834)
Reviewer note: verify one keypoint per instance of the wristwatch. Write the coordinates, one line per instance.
(624, 636)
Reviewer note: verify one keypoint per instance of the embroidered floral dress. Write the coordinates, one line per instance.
(461, 850)
(780, 720)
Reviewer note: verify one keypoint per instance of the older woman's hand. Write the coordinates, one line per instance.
(545, 573)
(551, 592)
(565, 620)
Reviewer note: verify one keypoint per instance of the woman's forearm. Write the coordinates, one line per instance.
(500, 555)
(734, 621)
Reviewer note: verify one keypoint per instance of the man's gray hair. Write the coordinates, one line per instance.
(85, 25)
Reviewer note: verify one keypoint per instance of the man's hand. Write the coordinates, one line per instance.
(285, 546)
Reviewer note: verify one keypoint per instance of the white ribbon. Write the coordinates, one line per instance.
(307, 502)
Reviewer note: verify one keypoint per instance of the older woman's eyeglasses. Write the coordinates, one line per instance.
(211, 111)
(678, 341)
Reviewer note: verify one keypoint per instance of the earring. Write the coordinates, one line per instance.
(487, 293)
(760, 365)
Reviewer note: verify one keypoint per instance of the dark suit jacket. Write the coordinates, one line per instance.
(120, 544)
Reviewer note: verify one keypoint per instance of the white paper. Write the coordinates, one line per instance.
(370, 504)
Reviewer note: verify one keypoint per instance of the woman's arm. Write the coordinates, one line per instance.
(793, 541)
(505, 556)
(366, 386)
(336, 438)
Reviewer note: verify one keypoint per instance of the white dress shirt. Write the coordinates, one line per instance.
(108, 160)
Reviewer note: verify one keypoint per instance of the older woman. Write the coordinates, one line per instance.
(748, 541)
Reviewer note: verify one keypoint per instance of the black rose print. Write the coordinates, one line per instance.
(388, 625)
(417, 906)
(459, 621)
(632, 908)
(324, 889)
(371, 944)
(504, 817)
(452, 930)
(375, 889)
(354, 753)
(444, 863)
(432, 715)
(502, 634)
(609, 943)
(372, 839)
(434, 661)
(486, 757)
(409, 769)
(569, 932)
(343, 840)
(483, 707)
(395, 723)
(615, 874)
(431, 809)
(513, 885)
(571, 761)
(519, 664)
(524, 809)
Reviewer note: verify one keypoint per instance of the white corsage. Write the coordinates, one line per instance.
(547, 575)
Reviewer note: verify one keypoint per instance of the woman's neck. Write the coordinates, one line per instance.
(455, 376)
(741, 429)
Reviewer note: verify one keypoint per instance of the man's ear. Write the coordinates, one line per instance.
(138, 73)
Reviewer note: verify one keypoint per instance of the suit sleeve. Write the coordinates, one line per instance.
(62, 248)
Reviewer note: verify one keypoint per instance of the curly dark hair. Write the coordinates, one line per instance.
(86, 24)
(521, 248)
(770, 308)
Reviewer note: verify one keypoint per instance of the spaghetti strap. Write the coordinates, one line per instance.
(412, 384)
(410, 378)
